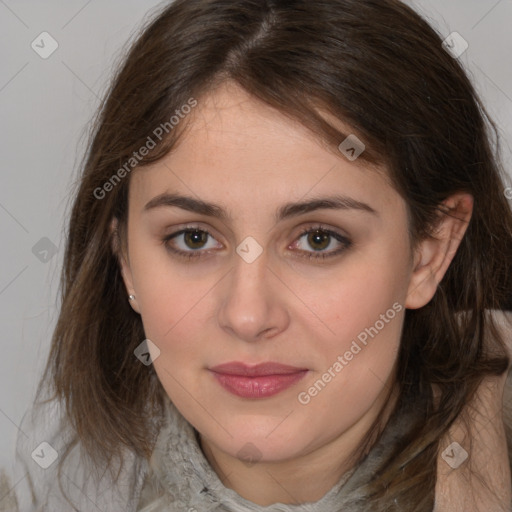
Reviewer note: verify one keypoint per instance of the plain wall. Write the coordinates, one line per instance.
(45, 109)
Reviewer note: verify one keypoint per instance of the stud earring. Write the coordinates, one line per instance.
(131, 297)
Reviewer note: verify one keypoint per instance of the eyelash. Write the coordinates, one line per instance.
(189, 255)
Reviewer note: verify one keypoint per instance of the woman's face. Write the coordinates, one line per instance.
(258, 290)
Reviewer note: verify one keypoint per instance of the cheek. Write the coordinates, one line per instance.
(173, 312)
(363, 311)
(174, 319)
(168, 294)
(355, 366)
(354, 299)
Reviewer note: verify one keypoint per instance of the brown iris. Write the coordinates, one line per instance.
(318, 237)
(195, 237)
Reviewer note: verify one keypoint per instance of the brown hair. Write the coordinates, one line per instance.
(379, 67)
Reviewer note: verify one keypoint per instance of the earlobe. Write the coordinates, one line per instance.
(124, 266)
(434, 255)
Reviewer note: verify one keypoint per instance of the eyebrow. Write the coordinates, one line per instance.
(333, 202)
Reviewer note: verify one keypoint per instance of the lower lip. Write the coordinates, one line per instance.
(263, 386)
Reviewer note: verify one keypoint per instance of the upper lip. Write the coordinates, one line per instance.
(269, 368)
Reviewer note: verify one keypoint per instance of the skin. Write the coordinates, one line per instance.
(250, 160)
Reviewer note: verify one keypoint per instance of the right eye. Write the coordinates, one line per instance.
(190, 241)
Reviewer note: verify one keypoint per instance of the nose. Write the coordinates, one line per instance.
(253, 304)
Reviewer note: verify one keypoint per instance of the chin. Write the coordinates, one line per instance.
(262, 439)
(261, 449)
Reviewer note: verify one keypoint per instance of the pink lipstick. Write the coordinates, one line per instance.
(261, 381)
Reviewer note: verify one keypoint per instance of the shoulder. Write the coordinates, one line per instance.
(46, 445)
(473, 465)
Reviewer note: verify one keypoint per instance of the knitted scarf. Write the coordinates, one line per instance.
(180, 477)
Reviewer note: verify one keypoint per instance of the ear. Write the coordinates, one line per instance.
(433, 256)
(124, 264)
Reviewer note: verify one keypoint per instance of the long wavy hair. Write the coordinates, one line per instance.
(381, 69)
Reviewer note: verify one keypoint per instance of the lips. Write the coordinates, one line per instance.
(260, 381)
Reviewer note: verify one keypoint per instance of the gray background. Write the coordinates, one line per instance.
(45, 109)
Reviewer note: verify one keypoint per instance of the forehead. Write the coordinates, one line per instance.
(236, 149)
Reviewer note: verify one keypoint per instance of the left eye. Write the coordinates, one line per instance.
(190, 241)
(320, 238)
